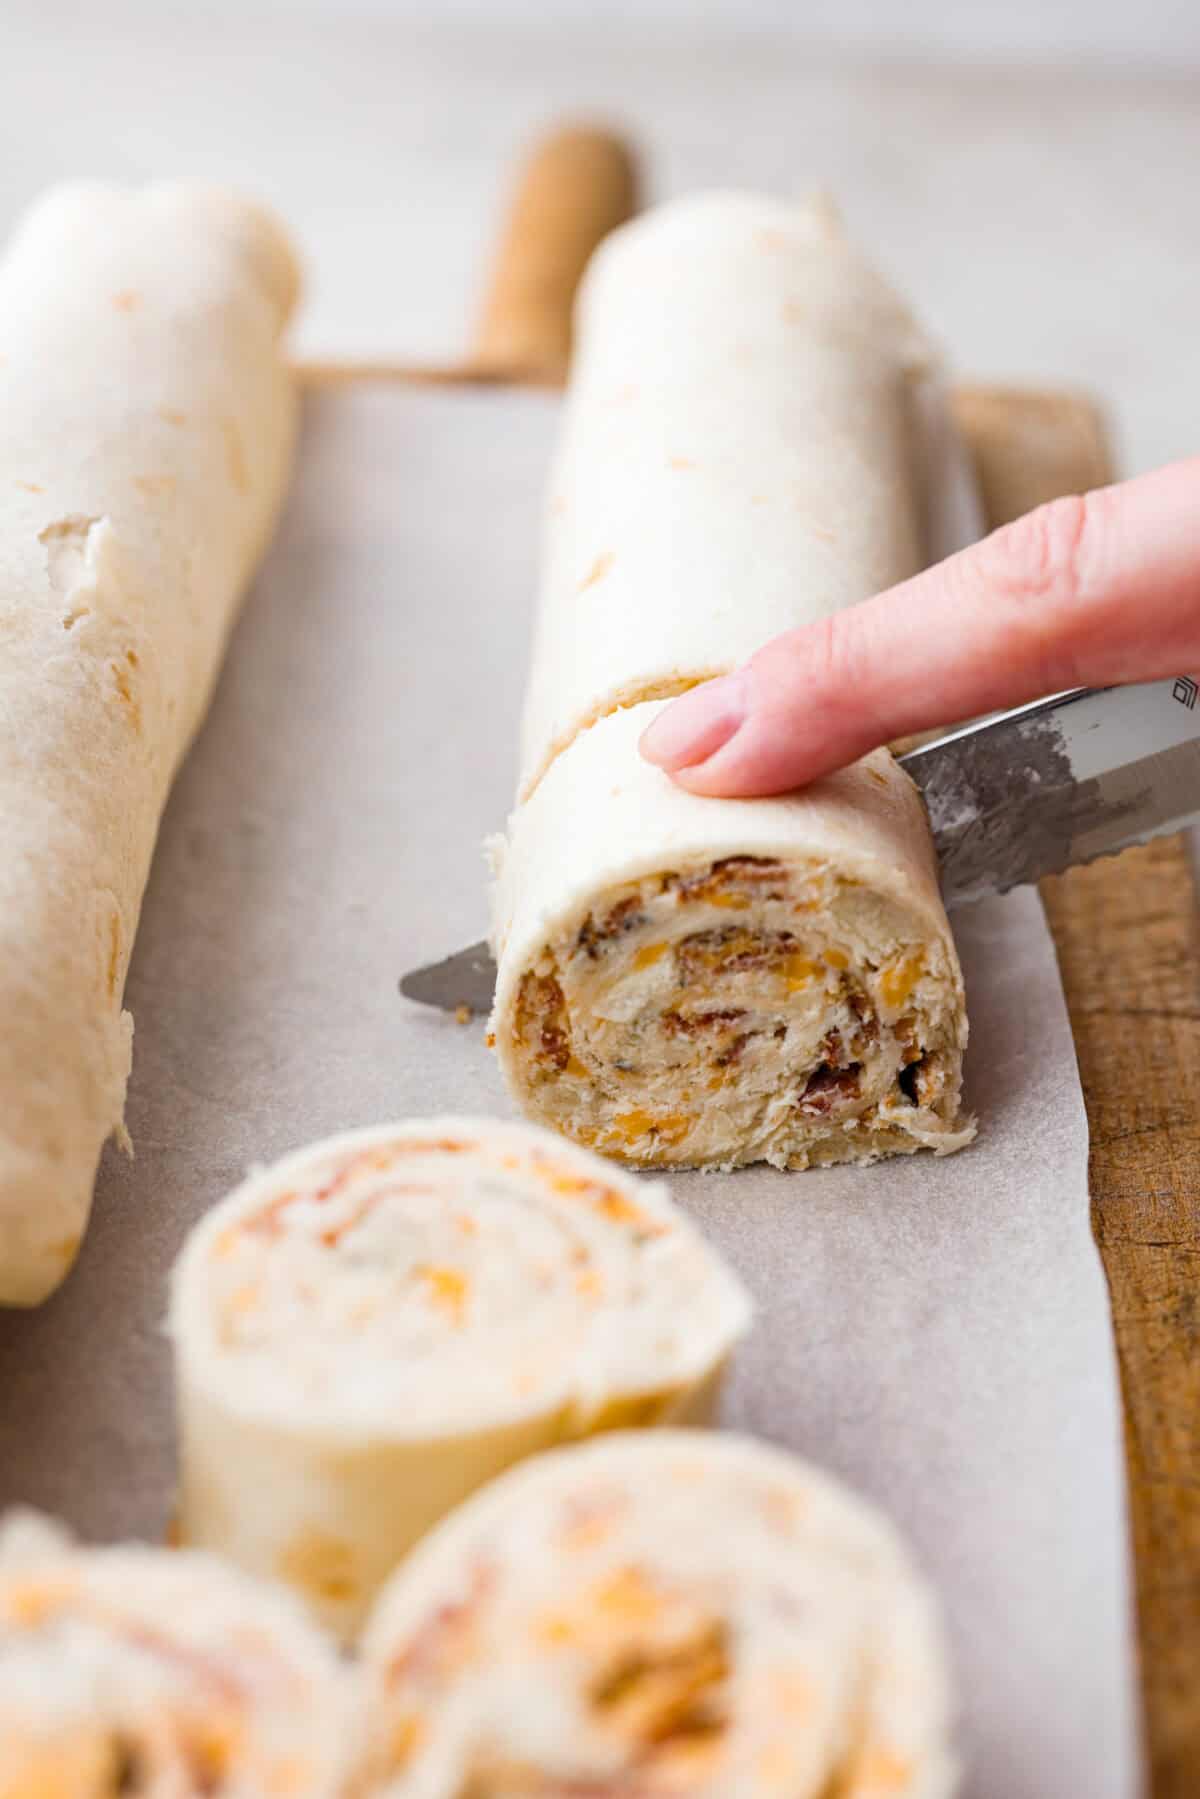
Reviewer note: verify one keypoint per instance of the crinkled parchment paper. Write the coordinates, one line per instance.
(936, 1331)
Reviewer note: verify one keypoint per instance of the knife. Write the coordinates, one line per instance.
(1012, 798)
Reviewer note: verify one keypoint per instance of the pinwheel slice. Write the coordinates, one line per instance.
(374, 1326)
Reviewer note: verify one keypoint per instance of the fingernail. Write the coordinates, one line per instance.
(697, 724)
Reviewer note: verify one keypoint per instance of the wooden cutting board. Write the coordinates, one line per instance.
(1126, 933)
(1129, 952)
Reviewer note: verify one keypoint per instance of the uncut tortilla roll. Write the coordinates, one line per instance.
(374, 1326)
(661, 1614)
(707, 983)
(146, 427)
(130, 1671)
(749, 420)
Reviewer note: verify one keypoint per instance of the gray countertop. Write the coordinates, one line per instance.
(1043, 219)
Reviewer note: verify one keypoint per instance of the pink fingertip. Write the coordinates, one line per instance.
(697, 724)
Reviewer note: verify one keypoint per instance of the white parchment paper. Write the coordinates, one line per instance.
(935, 1331)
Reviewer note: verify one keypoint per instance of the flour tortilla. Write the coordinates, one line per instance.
(146, 429)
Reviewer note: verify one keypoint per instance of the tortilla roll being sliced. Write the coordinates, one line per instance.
(707, 983)
(750, 437)
(130, 1671)
(662, 1614)
(749, 420)
(146, 428)
(374, 1326)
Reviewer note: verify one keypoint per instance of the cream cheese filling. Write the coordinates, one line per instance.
(744, 1009)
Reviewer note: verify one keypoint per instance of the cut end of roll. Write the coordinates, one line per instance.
(371, 1328)
(662, 1615)
(708, 983)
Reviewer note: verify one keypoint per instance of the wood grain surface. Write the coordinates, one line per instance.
(1126, 931)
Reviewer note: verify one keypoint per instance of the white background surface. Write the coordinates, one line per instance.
(1027, 171)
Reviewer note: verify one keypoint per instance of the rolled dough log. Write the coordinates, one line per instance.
(742, 450)
(751, 433)
(371, 1328)
(660, 1613)
(146, 427)
(131, 1670)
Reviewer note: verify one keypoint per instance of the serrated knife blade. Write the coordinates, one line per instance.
(1025, 794)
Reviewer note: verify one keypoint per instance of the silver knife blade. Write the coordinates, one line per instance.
(1063, 781)
(1012, 798)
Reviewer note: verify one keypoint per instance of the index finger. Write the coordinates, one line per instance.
(1093, 590)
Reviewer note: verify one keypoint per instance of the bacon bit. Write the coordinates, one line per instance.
(626, 915)
(663, 1697)
(598, 570)
(733, 872)
(869, 1023)
(542, 1009)
(448, 1288)
(648, 955)
(731, 1054)
(897, 982)
(826, 1087)
(727, 951)
(334, 1233)
(677, 1024)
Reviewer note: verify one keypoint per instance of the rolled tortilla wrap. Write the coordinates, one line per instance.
(374, 1326)
(146, 426)
(131, 1671)
(656, 1615)
(743, 450)
(706, 982)
(703, 982)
